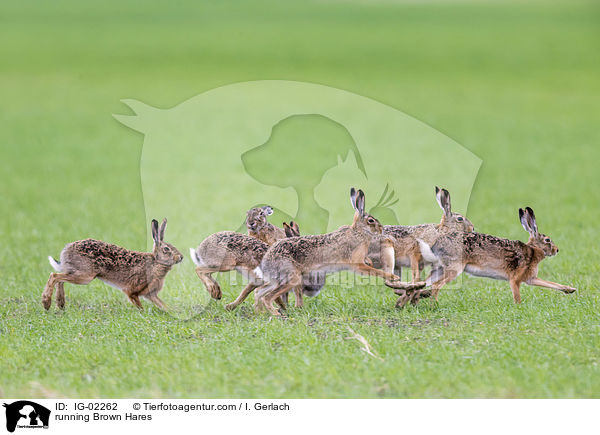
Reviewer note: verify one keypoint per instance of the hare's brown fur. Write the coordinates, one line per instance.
(135, 273)
(405, 238)
(259, 227)
(288, 260)
(493, 257)
(228, 250)
(225, 251)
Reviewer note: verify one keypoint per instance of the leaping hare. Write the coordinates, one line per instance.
(492, 257)
(285, 263)
(135, 273)
(405, 238)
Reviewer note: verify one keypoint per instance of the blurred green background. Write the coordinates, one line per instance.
(517, 83)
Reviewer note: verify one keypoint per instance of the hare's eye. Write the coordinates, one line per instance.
(460, 219)
(371, 220)
(547, 240)
(166, 250)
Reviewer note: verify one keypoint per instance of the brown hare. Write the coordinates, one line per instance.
(259, 227)
(288, 260)
(135, 273)
(227, 250)
(405, 238)
(492, 257)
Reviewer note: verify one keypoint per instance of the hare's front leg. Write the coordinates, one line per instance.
(254, 281)
(515, 286)
(299, 296)
(549, 284)
(391, 280)
(242, 297)
(272, 296)
(151, 293)
(135, 300)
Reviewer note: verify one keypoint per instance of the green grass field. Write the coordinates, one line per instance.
(516, 83)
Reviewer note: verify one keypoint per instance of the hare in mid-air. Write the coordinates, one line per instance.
(288, 260)
(135, 273)
(488, 256)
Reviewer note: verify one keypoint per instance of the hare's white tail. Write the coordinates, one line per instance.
(427, 253)
(55, 264)
(258, 272)
(195, 258)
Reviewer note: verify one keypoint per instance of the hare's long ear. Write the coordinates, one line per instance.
(161, 231)
(154, 227)
(268, 210)
(295, 227)
(443, 199)
(531, 219)
(288, 231)
(360, 202)
(353, 197)
(525, 221)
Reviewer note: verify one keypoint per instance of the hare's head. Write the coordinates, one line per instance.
(164, 253)
(536, 239)
(453, 221)
(256, 218)
(363, 220)
(291, 230)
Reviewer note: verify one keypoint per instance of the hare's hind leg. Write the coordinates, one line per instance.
(205, 275)
(57, 277)
(415, 261)
(449, 274)
(60, 295)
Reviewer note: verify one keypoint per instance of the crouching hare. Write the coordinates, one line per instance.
(135, 273)
(492, 257)
(288, 260)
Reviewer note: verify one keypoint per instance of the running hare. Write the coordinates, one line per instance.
(405, 238)
(285, 263)
(492, 257)
(135, 273)
(228, 250)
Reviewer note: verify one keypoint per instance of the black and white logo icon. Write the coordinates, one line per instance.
(24, 414)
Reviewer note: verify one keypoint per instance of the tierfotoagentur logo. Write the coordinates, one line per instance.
(25, 414)
(295, 147)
